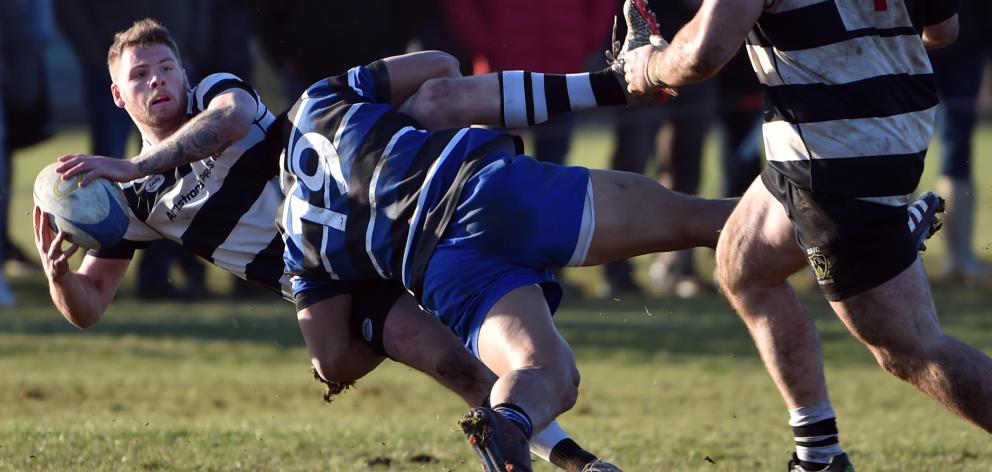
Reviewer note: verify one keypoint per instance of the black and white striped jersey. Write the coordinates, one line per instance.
(850, 99)
(222, 208)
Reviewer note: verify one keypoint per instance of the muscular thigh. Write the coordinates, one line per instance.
(759, 240)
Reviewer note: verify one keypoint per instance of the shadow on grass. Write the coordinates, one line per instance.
(638, 327)
(708, 326)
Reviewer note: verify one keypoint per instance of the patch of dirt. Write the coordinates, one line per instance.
(378, 461)
(423, 459)
(331, 389)
(33, 394)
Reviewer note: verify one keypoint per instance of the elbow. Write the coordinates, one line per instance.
(332, 370)
(83, 324)
(237, 124)
(938, 41)
(81, 320)
(444, 64)
(942, 34)
(438, 104)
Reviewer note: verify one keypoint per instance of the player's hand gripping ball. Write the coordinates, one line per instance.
(93, 216)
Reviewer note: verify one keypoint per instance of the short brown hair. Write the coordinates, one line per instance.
(143, 33)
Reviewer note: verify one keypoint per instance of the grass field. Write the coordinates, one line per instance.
(225, 385)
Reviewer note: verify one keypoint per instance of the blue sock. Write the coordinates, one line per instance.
(517, 415)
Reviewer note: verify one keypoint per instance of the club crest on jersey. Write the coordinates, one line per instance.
(821, 265)
(153, 183)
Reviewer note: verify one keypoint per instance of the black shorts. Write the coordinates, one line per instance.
(852, 245)
(370, 305)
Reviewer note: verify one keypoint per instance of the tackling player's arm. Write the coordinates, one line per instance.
(941, 35)
(936, 21)
(83, 296)
(409, 71)
(698, 51)
(227, 118)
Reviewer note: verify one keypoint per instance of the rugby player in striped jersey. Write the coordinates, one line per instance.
(850, 103)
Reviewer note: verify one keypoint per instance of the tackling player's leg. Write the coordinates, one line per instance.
(636, 215)
(781, 328)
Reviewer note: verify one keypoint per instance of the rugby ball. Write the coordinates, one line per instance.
(93, 216)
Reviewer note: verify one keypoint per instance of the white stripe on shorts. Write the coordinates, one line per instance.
(586, 229)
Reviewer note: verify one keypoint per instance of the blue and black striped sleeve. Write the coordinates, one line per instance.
(370, 82)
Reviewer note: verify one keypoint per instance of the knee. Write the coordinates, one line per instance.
(904, 358)
(730, 268)
(559, 385)
(570, 388)
(901, 364)
(444, 64)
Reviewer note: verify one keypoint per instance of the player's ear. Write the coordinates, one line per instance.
(116, 92)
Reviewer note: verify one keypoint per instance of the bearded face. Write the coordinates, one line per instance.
(151, 85)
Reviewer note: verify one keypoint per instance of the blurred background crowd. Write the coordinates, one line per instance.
(53, 77)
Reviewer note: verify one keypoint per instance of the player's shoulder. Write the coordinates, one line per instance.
(218, 77)
(368, 83)
(215, 84)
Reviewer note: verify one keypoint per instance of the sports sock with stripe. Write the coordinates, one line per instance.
(530, 98)
(553, 445)
(815, 431)
(517, 415)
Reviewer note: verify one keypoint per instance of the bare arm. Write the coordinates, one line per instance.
(82, 297)
(328, 338)
(698, 51)
(228, 118)
(941, 35)
(409, 71)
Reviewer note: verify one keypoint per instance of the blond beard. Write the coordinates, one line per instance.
(173, 121)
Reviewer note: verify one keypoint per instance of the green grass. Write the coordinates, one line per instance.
(224, 385)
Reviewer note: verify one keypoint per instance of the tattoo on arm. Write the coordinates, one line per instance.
(203, 136)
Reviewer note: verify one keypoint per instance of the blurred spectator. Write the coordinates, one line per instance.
(675, 134)
(90, 25)
(308, 40)
(25, 31)
(553, 36)
(433, 33)
(959, 70)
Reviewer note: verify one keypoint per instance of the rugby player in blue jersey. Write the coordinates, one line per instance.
(384, 186)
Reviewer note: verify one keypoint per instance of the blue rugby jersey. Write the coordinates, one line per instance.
(369, 192)
(850, 98)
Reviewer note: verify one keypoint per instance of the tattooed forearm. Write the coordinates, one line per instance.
(207, 134)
